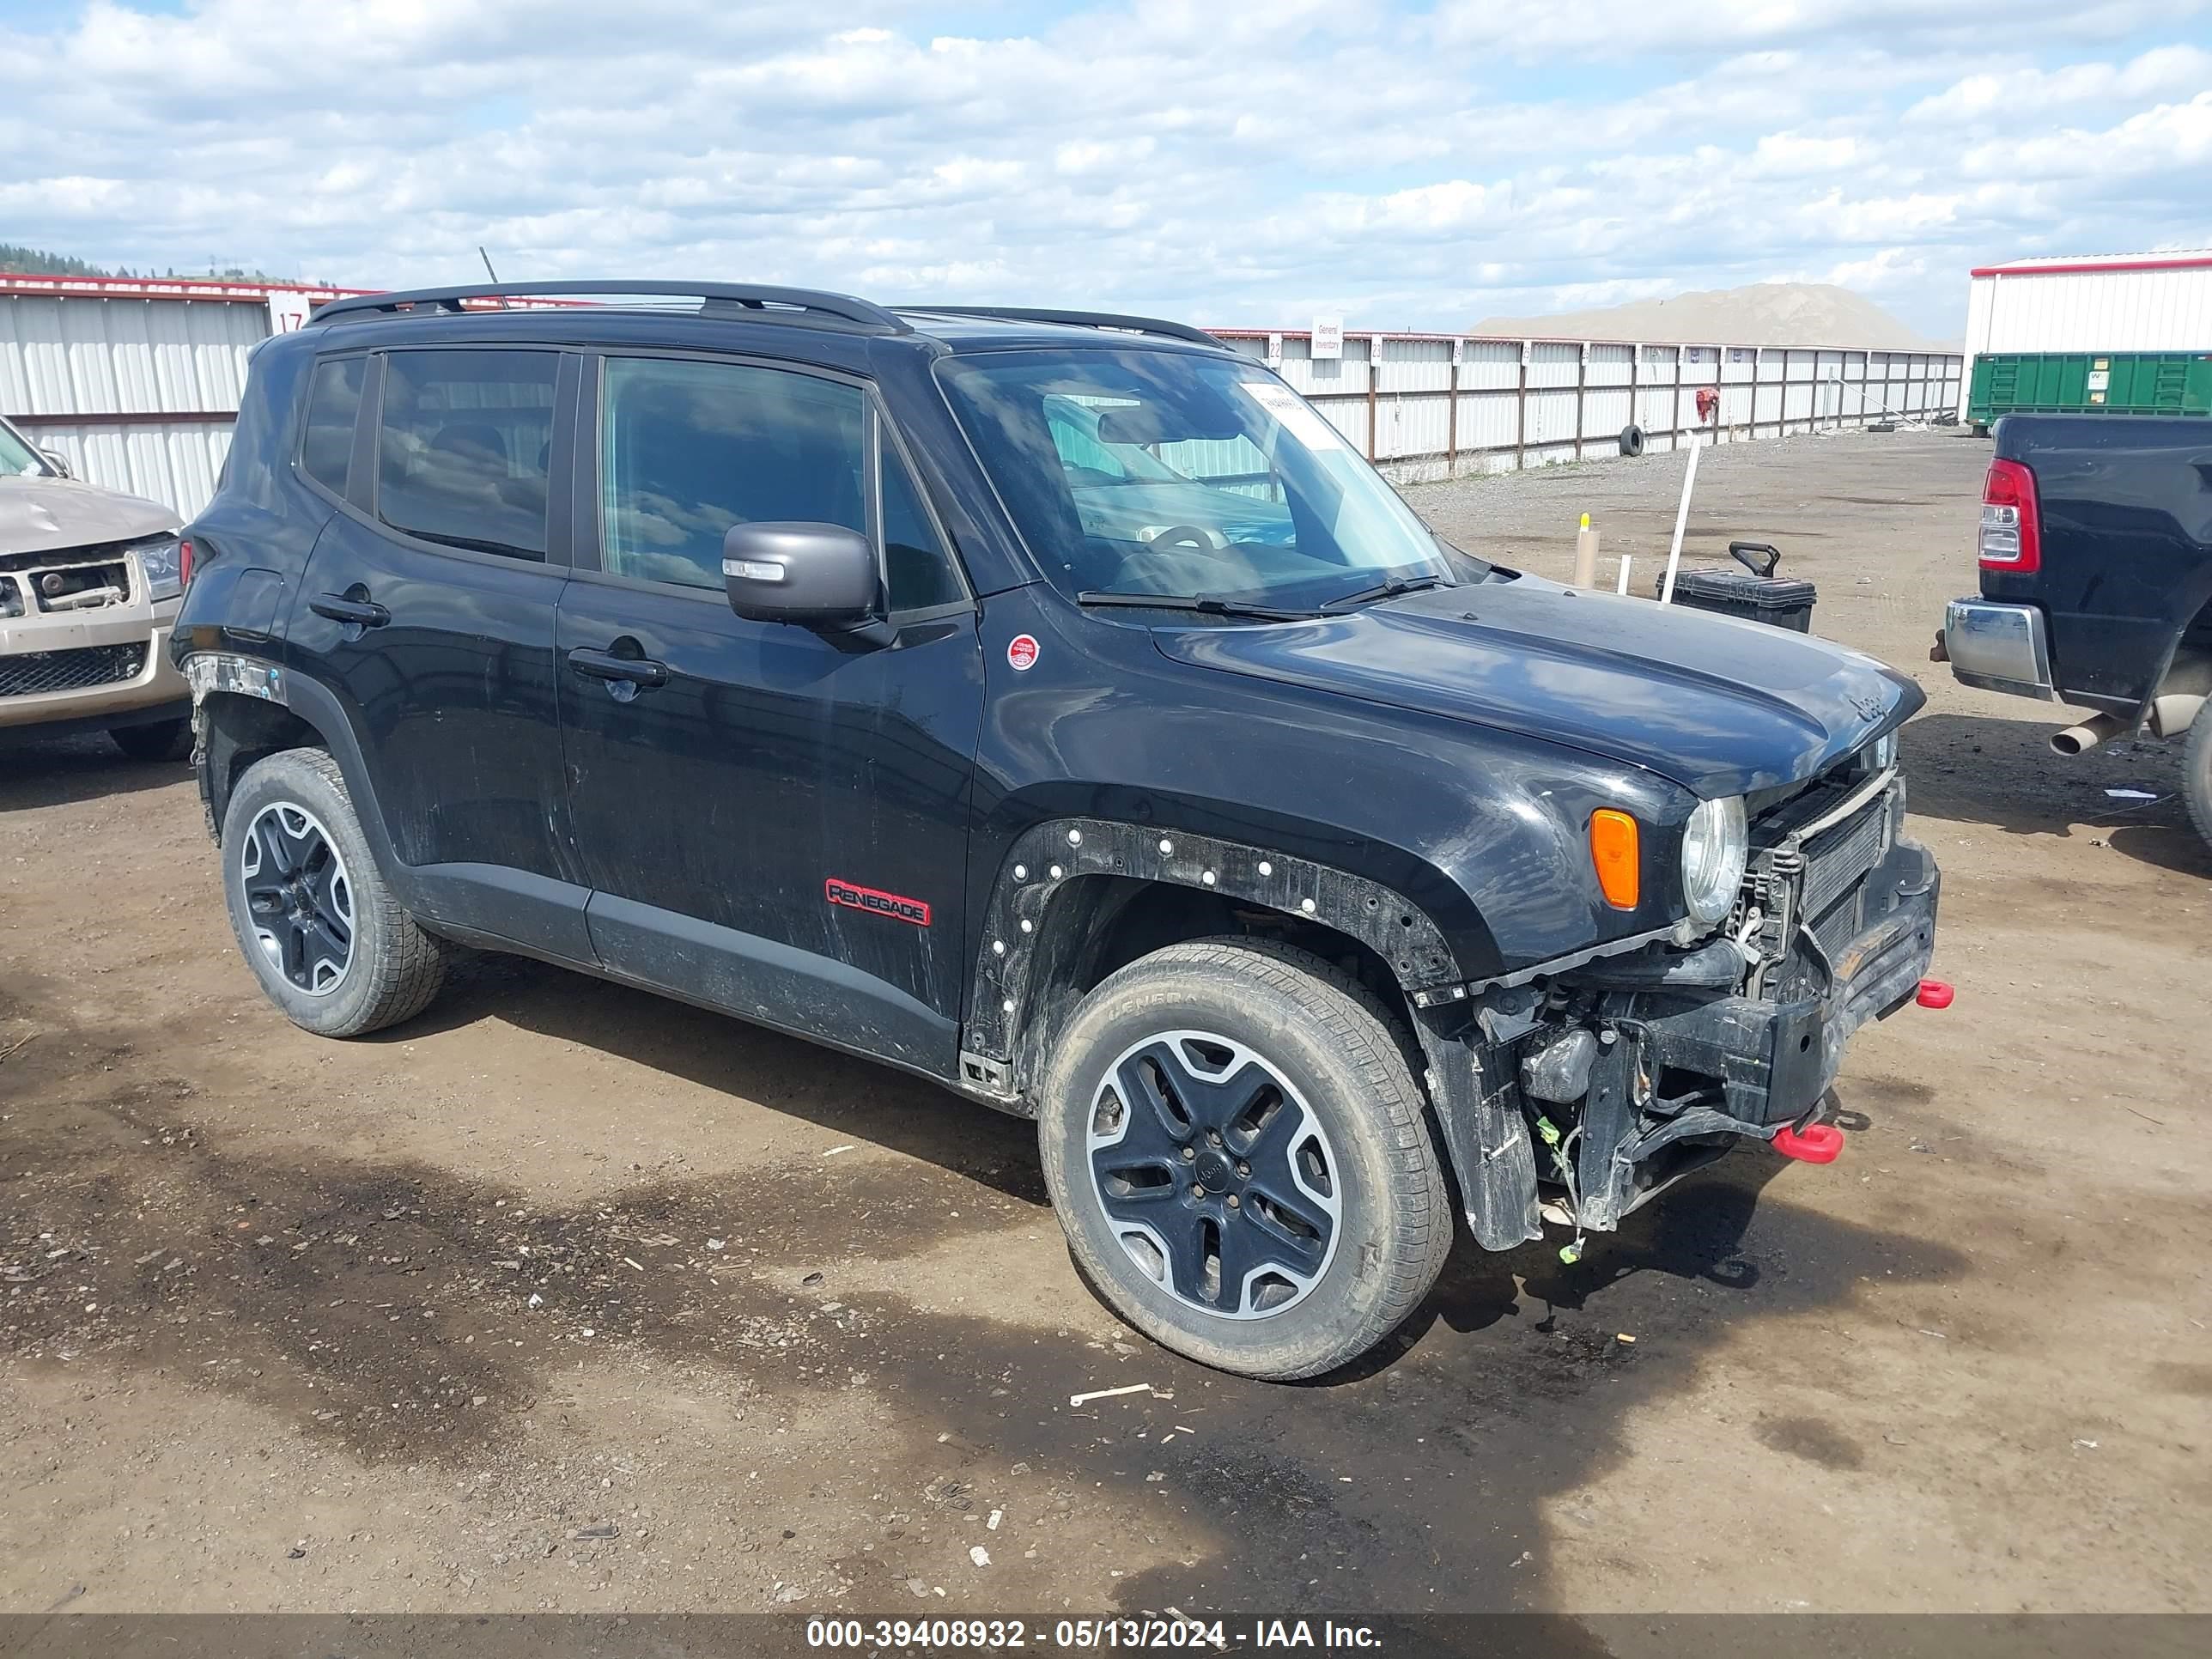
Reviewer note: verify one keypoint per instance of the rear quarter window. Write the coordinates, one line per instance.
(333, 405)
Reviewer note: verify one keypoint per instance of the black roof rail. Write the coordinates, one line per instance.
(722, 297)
(1077, 319)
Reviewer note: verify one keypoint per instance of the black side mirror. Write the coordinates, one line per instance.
(819, 575)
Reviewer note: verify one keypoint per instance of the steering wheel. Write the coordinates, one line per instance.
(1183, 535)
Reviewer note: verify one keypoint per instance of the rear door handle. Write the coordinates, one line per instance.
(618, 670)
(361, 613)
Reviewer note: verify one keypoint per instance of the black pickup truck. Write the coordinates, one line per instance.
(1055, 705)
(2096, 575)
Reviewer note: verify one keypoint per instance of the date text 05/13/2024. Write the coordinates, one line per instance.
(1176, 1631)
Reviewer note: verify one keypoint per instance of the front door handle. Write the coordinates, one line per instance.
(622, 674)
(343, 608)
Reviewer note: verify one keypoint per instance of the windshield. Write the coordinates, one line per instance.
(1169, 473)
(16, 456)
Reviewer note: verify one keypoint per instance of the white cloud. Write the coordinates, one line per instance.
(1091, 155)
(1797, 155)
(1239, 164)
(1617, 27)
(2028, 95)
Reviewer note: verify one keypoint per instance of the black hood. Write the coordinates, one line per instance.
(1721, 706)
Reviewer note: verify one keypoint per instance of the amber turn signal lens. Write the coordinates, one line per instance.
(1619, 857)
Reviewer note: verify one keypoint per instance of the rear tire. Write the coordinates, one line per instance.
(1343, 1221)
(313, 916)
(2197, 773)
(156, 740)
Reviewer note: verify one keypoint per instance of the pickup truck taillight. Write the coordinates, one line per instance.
(2012, 527)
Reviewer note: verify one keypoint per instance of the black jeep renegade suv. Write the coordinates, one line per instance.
(1056, 706)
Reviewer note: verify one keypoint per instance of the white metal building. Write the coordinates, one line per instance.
(136, 382)
(1430, 406)
(2116, 302)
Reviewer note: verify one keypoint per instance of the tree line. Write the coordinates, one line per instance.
(41, 262)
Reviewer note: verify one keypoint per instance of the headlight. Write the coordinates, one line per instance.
(1885, 752)
(163, 561)
(1714, 849)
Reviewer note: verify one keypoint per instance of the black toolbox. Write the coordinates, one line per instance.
(1756, 594)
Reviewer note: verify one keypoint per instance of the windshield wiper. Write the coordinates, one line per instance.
(1396, 587)
(1207, 604)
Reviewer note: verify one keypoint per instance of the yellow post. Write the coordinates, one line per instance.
(1585, 555)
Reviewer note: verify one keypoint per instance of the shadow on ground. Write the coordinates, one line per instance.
(384, 1308)
(1973, 768)
(846, 1096)
(57, 772)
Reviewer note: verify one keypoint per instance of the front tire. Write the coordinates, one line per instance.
(1237, 1153)
(314, 915)
(2197, 773)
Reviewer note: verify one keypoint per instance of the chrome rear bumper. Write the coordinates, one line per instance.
(1999, 647)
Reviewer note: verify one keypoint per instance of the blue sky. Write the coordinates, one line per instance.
(1409, 166)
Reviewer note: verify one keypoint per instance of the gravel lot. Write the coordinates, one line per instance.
(563, 1297)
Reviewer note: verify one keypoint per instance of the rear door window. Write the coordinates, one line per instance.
(464, 447)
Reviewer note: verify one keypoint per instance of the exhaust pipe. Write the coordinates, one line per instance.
(2080, 739)
(2171, 715)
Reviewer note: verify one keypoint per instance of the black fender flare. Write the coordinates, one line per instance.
(484, 905)
(1048, 855)
(1484, 1142)
(213, 674)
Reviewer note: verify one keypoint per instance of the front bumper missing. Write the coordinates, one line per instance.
(1766, 1064)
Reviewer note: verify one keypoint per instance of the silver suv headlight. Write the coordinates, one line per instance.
(163, 561)
(1714, 849)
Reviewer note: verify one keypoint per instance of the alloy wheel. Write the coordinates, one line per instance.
(1214, 1175)
(299, 898)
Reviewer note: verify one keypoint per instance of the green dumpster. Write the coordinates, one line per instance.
(2089, 383)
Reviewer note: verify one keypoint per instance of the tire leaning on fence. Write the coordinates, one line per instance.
(1632, 439)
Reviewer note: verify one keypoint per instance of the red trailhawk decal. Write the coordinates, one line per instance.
(1022, 653)
(876, 902)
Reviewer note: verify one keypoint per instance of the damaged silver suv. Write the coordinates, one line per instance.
(89, 582)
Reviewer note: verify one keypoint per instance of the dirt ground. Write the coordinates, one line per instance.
(563, 1297)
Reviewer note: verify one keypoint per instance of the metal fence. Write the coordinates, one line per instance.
(136, 384)
(1430, 406)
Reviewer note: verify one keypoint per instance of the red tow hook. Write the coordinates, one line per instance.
(1816, 1142)
(1823, 1143)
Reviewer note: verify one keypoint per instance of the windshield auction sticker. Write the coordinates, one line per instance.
(1301, 418)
